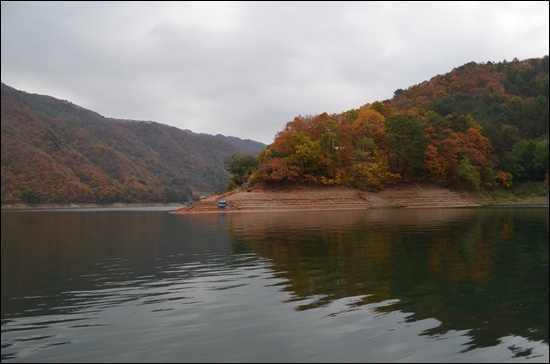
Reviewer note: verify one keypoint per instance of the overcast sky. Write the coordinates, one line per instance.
(245, 69)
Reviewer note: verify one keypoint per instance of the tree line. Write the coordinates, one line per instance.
(478, 126)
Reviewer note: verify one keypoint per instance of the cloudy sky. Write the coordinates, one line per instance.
(246, 68)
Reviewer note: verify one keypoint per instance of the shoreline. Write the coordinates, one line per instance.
(315, 208)
(21, 207)
(180, 209)
(260, 198)
(53, 206)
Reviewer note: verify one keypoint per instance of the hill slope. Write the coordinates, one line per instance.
(56, 151)
(477, 127)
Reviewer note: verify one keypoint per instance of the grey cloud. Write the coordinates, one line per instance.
(245, 69)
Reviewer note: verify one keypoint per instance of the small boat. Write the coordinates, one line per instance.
(222, 204)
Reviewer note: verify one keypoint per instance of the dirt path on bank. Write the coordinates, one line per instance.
(307, 197)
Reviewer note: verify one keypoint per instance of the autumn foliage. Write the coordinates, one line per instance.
(370, 152)
(56, 152)
(479, 126)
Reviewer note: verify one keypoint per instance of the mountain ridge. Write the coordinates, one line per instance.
(56, 151)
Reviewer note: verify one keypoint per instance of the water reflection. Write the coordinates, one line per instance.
(45, 254)
(481, 271)
(373, 285)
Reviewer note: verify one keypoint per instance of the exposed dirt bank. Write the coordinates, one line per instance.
(307, 197)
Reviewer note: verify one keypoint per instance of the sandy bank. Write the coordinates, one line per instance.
(307, 197)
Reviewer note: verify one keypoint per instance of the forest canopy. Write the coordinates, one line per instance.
(478, 126)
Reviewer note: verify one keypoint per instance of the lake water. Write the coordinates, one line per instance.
(381, 285)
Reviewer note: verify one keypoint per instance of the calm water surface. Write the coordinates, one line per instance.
(423, 285)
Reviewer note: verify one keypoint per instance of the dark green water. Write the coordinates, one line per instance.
(423, 285)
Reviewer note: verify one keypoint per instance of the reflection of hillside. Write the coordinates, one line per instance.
(482, 270)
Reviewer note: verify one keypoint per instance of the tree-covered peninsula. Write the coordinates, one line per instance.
(480, 126)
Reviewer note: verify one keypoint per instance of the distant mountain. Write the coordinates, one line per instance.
(56, 151)
(246, 144)
(253, 146)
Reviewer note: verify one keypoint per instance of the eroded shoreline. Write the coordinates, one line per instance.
(309, 198)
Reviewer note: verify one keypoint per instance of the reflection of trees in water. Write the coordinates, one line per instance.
(482, 270)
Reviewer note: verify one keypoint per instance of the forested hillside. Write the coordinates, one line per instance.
(478, 126)
(55, 151)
